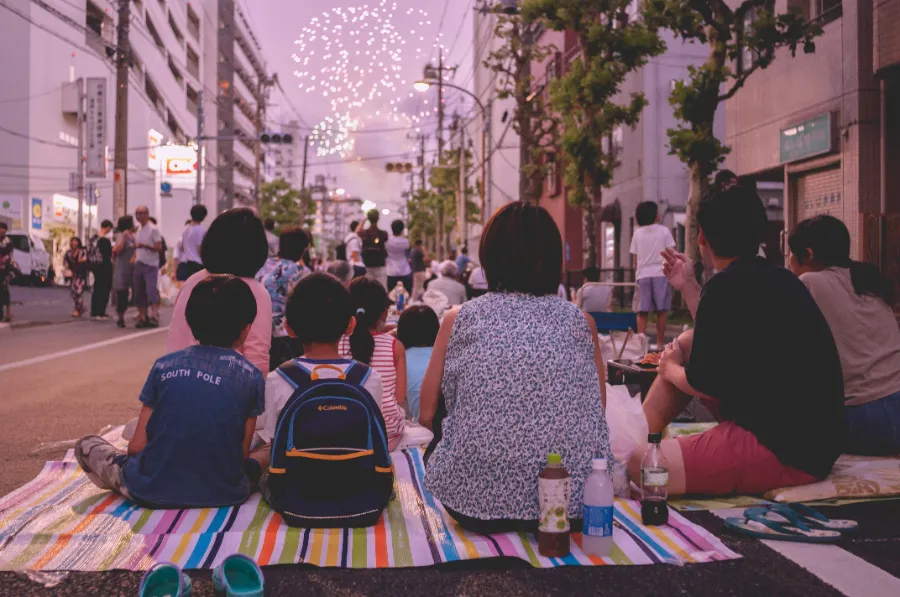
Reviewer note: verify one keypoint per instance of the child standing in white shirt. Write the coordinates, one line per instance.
(654, 291)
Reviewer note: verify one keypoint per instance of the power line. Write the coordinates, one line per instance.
(35, 96)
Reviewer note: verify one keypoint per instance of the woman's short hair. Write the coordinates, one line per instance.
(521, 250)
(235, 244)
(125, 223)
(292, 243)
(397, 227)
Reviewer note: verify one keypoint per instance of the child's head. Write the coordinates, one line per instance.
(318, 310)
(220, 311)
(370, 304)
(418, 327)
(646, 213)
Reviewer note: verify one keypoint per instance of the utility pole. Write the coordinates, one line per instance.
(262, 95)
(440, 138)
(305, 162)
(422, 160)
(461, 192)
(79, 86)
(487, 208)
(123, 60)
(198, 188)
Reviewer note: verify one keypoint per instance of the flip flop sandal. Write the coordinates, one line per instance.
(238, 576)
(757, 524)
(165, 580)
(813, 518)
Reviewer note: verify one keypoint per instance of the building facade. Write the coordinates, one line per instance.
(285, 160)
(55, 45)
(825, 125)
(174, 73)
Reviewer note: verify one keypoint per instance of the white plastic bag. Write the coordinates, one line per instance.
(626, 420)
(635, 346)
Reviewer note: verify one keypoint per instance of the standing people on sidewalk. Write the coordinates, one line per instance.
(191, 239)
(77, 270)
(353, 251)
(463, 261)
(647, 245)
(6, 273)
(419, 270)
(271, 237)
(374, 250)
(398, 269)
(101, 246)
(148, 245)
(123, 270)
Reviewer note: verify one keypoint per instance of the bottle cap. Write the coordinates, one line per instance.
(654, 438)
(599, 464)
(554, 458)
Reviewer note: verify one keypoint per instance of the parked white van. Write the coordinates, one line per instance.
(31, 256)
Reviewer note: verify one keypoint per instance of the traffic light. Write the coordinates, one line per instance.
(399, 167)
(276, 138)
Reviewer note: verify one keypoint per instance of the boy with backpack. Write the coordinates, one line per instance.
(374, 250)
(328, 464)
(198, 415)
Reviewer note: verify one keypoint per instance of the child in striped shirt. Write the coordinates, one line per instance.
(384, 353)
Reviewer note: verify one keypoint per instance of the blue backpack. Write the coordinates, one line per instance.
(331, 467)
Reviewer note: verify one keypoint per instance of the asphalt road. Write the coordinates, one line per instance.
(64, 380)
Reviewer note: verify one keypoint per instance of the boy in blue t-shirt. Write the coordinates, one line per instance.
(199, 413)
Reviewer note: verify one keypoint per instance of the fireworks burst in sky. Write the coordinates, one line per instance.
(364, 65)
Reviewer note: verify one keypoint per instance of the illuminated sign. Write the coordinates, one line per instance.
(177, 165)
(154, 139)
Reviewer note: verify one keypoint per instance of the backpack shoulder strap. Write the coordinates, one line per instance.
(358, 374)
(295, 374)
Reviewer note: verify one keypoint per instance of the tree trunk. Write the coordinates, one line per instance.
(589, 231)
(699, 188)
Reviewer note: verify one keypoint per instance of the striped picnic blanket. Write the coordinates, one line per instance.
(60, 521)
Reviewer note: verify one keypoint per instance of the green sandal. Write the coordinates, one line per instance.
(758, 524)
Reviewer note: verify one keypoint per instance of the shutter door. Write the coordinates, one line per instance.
(819, 193)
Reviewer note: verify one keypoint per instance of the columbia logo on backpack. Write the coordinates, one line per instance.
(330, 462)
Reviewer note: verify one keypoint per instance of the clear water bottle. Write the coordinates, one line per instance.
(597, 534)
(654, 484)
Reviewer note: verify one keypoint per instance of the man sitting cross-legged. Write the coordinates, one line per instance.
(761, 357)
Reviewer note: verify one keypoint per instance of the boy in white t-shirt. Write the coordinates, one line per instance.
(318, 312)
(655, 293)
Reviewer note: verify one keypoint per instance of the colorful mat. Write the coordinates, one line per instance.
(59, 521)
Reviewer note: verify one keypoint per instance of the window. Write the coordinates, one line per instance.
(98, 30)
(801, 8)
(175, 30)
(153, 95)
(618, 140)
(193, 62)
(193, 23)
(151, 28)
(553, 180)
(193, 100)
(745, 59)
(139, 6)
(136, 65)
(175, 72)
(828, 10)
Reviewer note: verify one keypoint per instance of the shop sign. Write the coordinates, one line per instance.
(807, 139)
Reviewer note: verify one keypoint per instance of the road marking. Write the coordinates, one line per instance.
(849, 574)
(78, 349)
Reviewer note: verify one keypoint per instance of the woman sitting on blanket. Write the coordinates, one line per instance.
(518, 374)
(761, 357)
(855, 300)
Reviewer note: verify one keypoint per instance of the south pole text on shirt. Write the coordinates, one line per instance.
(213, 379)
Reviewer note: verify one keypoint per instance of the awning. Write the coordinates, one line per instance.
(611, 213)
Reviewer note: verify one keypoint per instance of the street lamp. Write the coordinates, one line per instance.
(423, 86)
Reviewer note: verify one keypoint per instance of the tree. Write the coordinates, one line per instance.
(749, 36)
(611, 46)
(511, 64)
(285, 204)
(428, 207)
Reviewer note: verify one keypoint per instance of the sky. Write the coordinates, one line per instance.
(318, 49)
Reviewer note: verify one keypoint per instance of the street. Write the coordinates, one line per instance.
(61, 381)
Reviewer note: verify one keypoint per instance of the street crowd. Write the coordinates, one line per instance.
(492, 365)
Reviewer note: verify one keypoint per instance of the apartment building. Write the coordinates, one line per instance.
(57, 43)
(285, 159)
(824, 126)
(236, 71)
